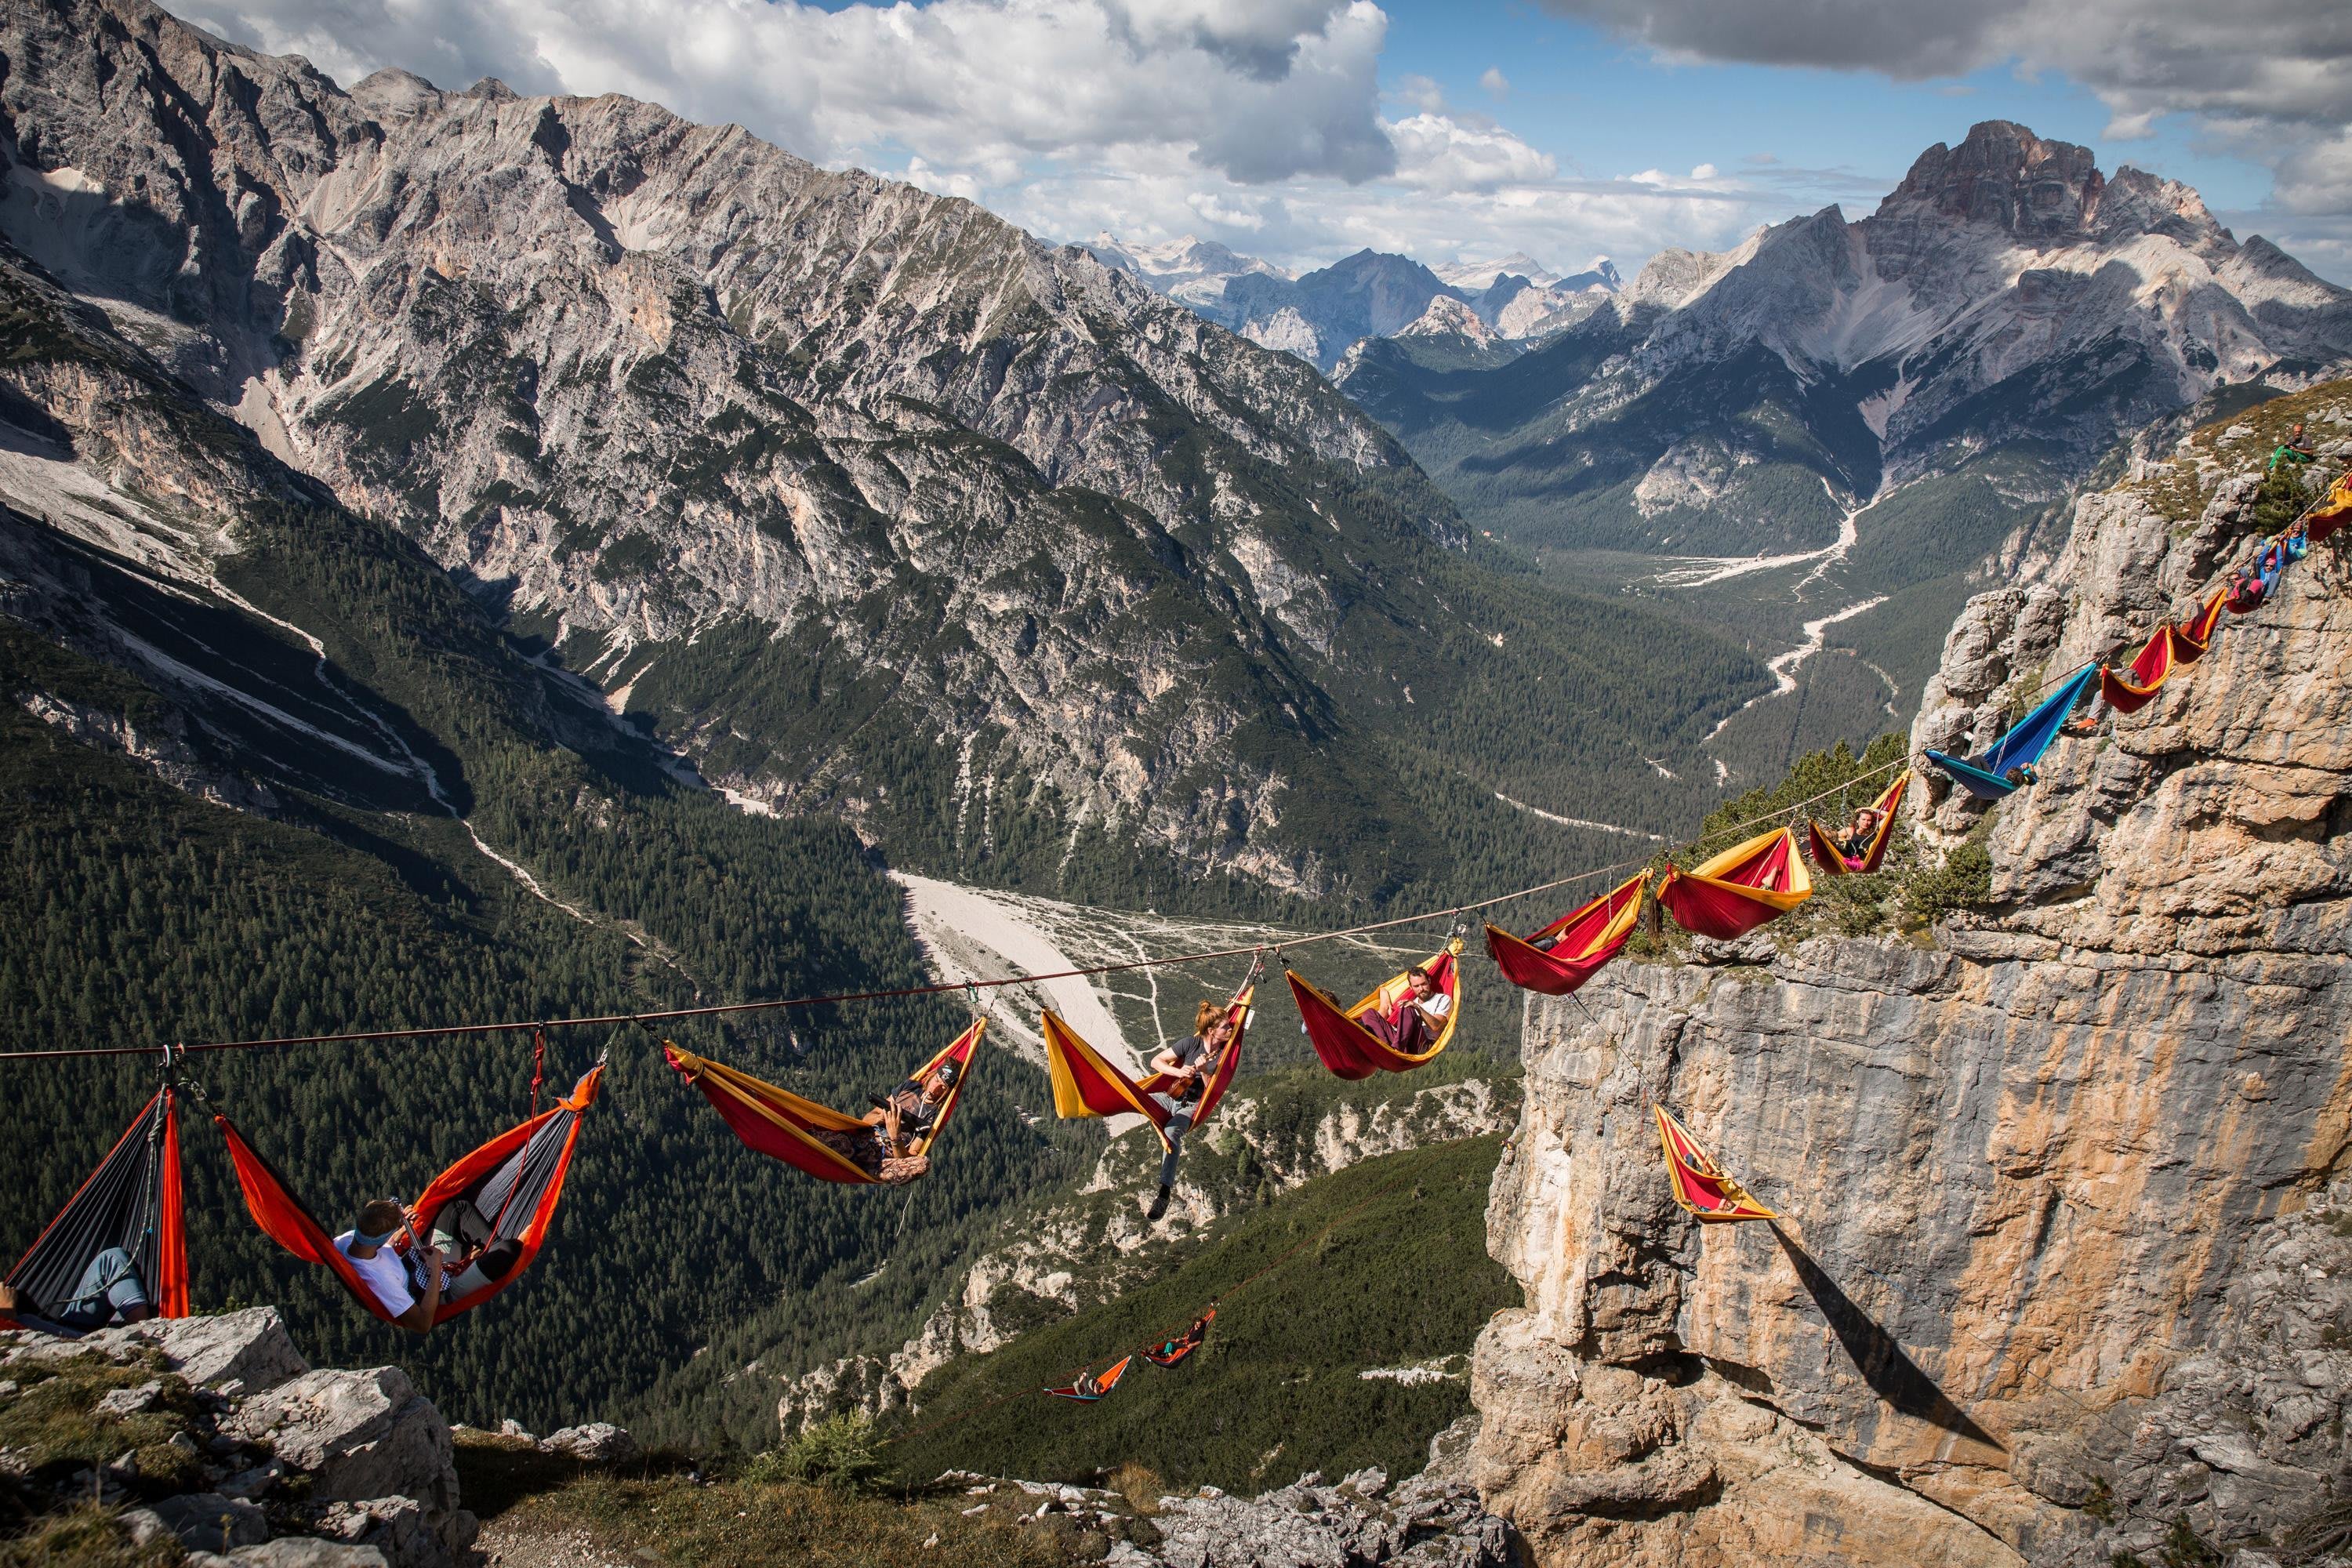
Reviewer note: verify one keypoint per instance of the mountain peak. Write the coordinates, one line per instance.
(2005, 176)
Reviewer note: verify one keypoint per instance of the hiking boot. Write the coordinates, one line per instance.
(1160, 1204)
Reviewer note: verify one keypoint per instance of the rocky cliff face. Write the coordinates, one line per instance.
(2059, 1275)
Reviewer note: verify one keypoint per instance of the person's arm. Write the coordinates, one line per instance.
(418, 1318)
(1167, 1061)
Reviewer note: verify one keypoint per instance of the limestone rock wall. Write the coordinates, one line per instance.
(2059, 1271)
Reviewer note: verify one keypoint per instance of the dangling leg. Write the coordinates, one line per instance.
(1178, 1124)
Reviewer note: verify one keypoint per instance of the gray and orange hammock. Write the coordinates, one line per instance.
(783, 1126)
(1700, 1184)
(1171, 1352)
(1730, 894)
(1085, 1084)
(1352, 1051)
(1103, 1384)
(133, 1200)
(1581, 941)
(515, 1181)
(1834, 862)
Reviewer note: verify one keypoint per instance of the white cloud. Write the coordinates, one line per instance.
(1259, 90)
(1436, 151)
(1497, 84)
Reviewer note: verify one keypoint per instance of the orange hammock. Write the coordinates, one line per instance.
(1351, 1050)
(783, 1126)
(1580, 942)
(515, 1181)
(1170, 1353)
(2189, 642)
(1700, 1184)
(1086, 1085)
(1834, 862)
(1739, 890)
(1103, 1384)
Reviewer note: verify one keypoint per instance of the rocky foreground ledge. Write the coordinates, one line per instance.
(231, 1449)
(233, 1446)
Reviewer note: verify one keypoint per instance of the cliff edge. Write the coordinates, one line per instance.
(2061, 1275)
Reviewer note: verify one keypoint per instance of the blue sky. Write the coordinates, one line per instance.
(1303, 130)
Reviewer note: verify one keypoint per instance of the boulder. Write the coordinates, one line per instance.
(360, 1434)
(598, 1442)
(205, 1521)
(307, 1552)
(240, 1351)
(403, 1533)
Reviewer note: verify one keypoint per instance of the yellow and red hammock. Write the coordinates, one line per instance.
(1700, 1184)
(1085, 1084)
(1103, 1384)
(1581, 940)
(1739, 890)
(2189, 642)
(2332, 513)
(781, 1124)
(516, 1180)
(1835, 862)
(1352, 1051)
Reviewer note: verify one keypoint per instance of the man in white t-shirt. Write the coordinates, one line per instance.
(1420, 1015)
(368, 1245)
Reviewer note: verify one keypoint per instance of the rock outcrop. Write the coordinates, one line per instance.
(2059, 1278)
(346, 1470)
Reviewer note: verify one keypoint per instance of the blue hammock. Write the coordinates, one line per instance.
(2023, 746)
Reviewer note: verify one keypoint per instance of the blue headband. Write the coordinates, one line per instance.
(366, 1240)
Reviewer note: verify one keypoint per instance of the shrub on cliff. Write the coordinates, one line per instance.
(836, 1452)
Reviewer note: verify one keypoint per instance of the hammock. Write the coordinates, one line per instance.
(1700, 1184)
(1739, 890)
(1169, 1352)
(783, 1126)
(1085, 1084)
(1584, 939)
(2023, 746)
(1834, 862)
(1103, 1384)
(2189, 642)
(1352, 1051)
(2249, 589)
(2332, 513)
(130, 1200)
(2131, 692)
(515, 1180)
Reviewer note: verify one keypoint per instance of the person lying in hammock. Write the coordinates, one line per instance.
(884, 1145)
(1420, 1015)
(412, 1300)
(1191, 1061)
(110, 1292)
(1086, 1386)
(475, 1256)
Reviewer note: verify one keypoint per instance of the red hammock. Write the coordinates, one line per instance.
(1585, 938)
(1085, 1084)
(1169, 1352)
(2189, 642)
(2132, 690)
(1103, 1384)
(1700, 1184)
(1835, 862)
(1352, 1051)
(781, 1124)
(516, 1179)
(1739, 890)
(132, 1200)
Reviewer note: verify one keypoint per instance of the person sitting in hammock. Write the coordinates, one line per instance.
(1190, 1061)
(368, 1245)
(110, 1292)
(882, 1144)
(2022, 774)
(1420, 1015)
(476, 1258)
(1860, 833)
(1086, 1386)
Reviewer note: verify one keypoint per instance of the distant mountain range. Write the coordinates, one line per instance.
(1320, 315)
